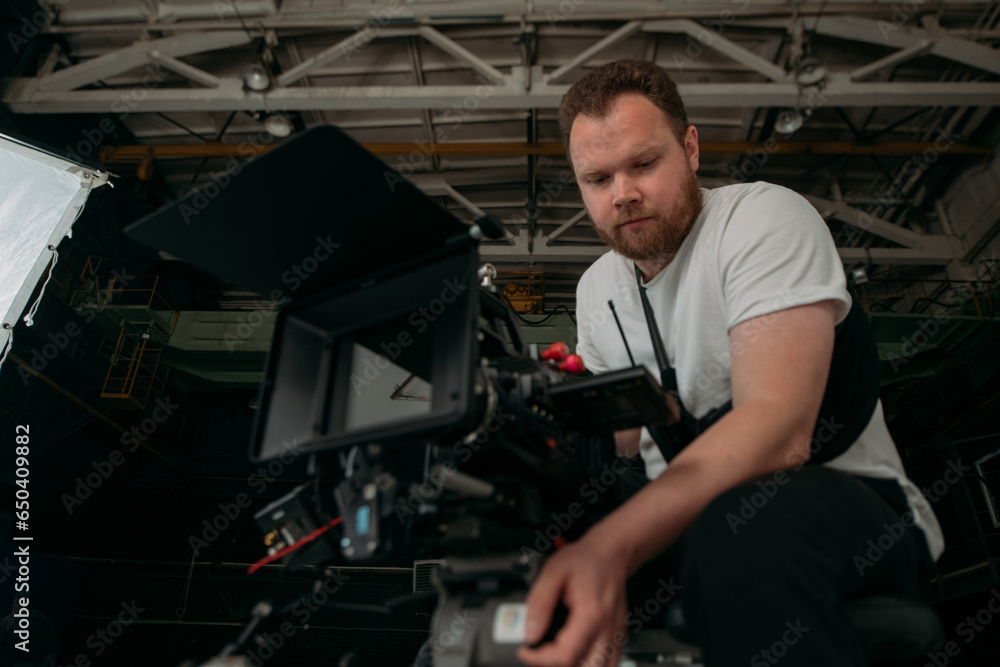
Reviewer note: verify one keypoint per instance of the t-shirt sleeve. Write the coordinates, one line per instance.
(777, 253)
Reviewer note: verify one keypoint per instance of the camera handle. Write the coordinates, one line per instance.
(480, 618)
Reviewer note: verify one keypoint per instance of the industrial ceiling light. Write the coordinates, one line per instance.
(255, 77)
(810, 71)
(859, 276)
(789, 120)
(278, 125)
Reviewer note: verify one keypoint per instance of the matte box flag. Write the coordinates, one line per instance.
(41, 195)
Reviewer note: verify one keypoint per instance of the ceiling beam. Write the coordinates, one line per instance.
(888, 33)
(24, 96)
(166, 51)
(714, 40)
(865, 222)
(892, 60)
(111, 154)
(563, 228)
(348, 15)
(455, 49)
(519, 251)
(621, 34)
(342, 48)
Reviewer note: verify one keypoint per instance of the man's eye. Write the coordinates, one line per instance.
(646, 163)
(598, 180)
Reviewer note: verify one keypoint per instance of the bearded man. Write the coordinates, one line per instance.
(776, 377)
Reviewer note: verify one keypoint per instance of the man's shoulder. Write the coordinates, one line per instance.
(737, 193)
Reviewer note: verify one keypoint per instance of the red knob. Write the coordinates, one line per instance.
(556, 352)
(573, 364)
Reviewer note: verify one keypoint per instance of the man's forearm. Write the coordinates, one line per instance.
(751, 440)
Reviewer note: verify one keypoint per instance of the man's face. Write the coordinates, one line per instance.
(638, 183)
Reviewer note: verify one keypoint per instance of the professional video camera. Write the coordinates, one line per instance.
(431, 426)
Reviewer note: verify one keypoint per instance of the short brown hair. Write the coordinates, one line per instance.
(594, 94)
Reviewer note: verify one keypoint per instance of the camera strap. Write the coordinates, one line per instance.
(849, 399)
(674, 437)
(668, 377)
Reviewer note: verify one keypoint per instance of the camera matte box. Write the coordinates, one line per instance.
(376, 249)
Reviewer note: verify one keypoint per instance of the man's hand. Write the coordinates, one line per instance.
(589, 579)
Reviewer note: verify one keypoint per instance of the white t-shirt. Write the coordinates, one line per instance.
(755, 249)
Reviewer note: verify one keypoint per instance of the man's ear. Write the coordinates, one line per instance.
(691, 146)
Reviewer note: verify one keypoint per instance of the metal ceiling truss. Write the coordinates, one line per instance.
(80, 16)
(432, 44)
(520, 86)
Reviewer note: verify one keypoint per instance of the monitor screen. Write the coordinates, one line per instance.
(389, 360)
(389, 382)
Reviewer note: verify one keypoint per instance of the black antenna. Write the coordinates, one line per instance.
(611, 304)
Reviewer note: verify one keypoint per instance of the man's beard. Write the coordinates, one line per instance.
(663, 235)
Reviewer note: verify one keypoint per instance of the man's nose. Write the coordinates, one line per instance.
(625, 191)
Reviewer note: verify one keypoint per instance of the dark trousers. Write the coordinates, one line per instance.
(765, 570)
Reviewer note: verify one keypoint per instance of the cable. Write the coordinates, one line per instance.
(292, 547)
(239, 15)
(819, 15)
(545, 319)
(9, 344)
(204, 160)
(29, 318)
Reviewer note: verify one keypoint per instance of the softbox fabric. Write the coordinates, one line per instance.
(40, 197)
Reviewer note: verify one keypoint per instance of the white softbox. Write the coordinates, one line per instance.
(41, 196)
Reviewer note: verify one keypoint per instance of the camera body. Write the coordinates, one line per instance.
(436, 425)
